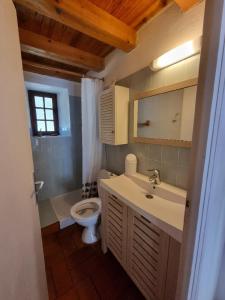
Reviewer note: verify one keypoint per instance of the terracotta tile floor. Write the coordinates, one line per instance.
(76, 271)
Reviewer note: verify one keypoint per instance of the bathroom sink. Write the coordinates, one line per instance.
(163, 205)
(163, 190)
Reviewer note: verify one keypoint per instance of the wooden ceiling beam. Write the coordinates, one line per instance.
(186, 4)
(84, 16)
(50, 70)
(42, 46)
(152, 10)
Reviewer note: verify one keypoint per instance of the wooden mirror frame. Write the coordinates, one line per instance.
(140, 95)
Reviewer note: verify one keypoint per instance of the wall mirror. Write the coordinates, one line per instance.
(165, 115)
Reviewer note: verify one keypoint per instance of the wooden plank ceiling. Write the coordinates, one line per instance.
(66, 38)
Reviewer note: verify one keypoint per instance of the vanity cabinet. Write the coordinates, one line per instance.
(115, 214)
(148, 254)
(113, 115)
(147, 251)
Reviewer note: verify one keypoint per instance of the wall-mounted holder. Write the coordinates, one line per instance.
(145, 124)
(176, 118)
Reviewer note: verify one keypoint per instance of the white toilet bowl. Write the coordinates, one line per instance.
(86, 213)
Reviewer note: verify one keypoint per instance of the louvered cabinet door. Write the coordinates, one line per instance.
(116, 228)
(103, 194)
(147, 254)
(107, 117)
(172, 270)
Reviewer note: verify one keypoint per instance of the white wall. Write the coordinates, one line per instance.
(146, 79)
(74, 88)
(162, 33)
(184, 70)
(22, 270)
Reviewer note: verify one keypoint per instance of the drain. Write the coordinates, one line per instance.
(149, 196)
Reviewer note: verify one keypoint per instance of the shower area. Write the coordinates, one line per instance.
(59, 159)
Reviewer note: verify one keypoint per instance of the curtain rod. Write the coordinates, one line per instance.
(91, 77)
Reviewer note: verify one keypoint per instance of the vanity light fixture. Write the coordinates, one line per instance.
(177, 54)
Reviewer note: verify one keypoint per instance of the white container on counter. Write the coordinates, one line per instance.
(130, 164)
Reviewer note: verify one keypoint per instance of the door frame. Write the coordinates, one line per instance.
(204, 224)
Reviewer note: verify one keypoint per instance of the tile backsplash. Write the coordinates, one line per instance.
(173, 162)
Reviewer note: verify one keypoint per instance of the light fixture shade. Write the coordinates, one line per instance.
(177, 54)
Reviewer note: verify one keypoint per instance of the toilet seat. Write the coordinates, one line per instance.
(87, 209)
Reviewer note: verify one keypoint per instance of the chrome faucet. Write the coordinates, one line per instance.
(155, 177)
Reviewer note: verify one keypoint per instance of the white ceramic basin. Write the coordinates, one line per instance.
(166, 208)
(163, 190)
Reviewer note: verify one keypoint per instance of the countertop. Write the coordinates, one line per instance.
(167, 215)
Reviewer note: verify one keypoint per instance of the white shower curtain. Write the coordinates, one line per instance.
(91, 146)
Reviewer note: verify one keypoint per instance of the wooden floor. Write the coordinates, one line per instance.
(77, 271)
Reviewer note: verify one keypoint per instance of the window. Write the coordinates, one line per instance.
(44, 113)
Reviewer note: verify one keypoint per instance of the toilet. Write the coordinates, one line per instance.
(86, 213)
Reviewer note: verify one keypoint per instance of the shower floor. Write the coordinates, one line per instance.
(57, 209)
(46, 213)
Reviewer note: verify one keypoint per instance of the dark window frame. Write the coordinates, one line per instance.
(31, 97)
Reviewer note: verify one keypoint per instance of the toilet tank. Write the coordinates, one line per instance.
(104, 174)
